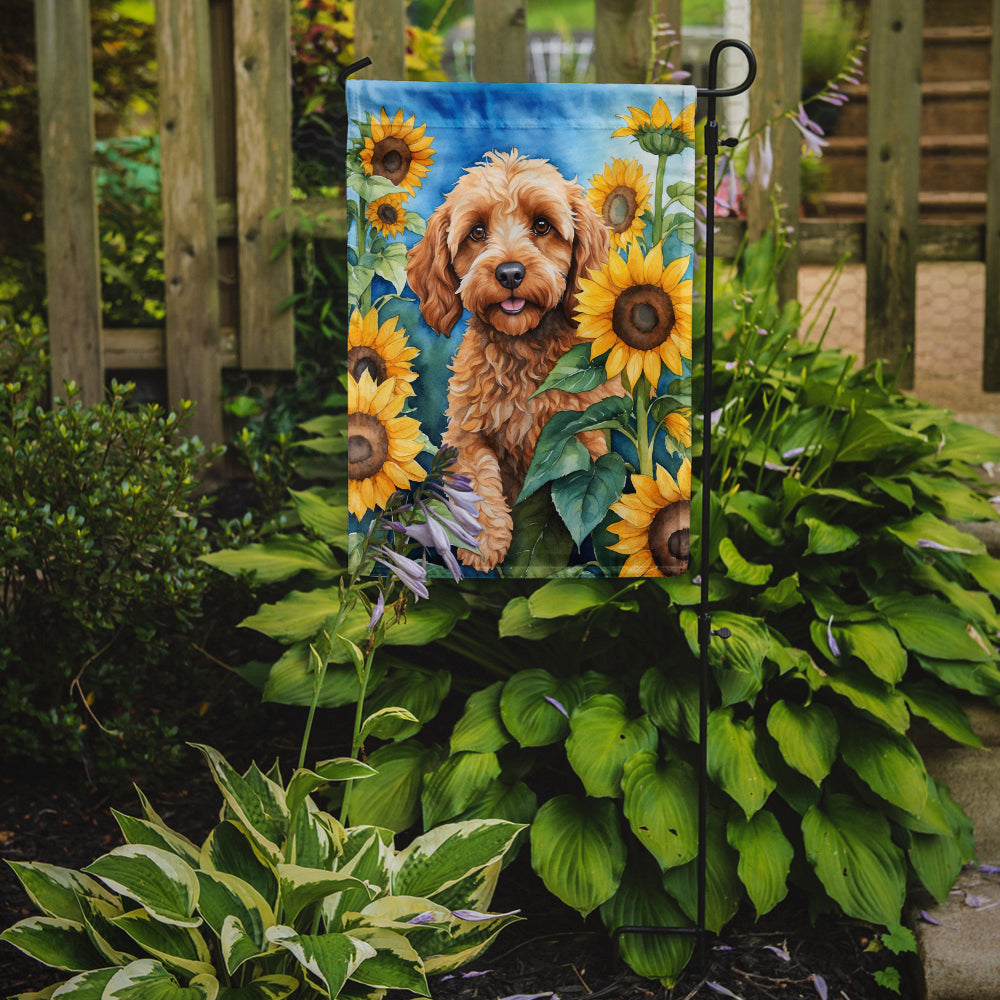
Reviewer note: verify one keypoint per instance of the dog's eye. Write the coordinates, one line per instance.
(478, 233)
(541, 227)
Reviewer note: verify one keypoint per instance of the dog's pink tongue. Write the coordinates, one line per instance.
(512, 305)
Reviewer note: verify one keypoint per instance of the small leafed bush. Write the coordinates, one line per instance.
(99, 575)
(280, 899)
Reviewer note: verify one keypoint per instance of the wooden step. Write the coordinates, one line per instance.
(940, 13)
(957, 206)
(956, 53)
(944, 104)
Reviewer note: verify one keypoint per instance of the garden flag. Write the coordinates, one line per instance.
(520, 273)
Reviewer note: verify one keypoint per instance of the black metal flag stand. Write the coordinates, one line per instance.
(705, 631)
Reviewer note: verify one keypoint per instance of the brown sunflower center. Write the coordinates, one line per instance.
(364, 359)
(619, 208)
(391, 158)
(367, 445)
(387, 214)
(643, 317)
(669, 538)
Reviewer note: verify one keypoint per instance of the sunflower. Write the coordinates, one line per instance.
(678, 426)
(387, 214)
(396, 150)
(639, 312)
(380, 350)
(381, 445)
(656, 132)
(655, 528)
(620, 195)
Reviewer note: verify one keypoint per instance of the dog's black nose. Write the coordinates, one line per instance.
(510, 274)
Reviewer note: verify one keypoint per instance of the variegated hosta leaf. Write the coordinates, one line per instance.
(661, 803)
(395, 964)
(807, 736)
(481, 727)
(315, 838)
(149, 980)
(141, 831)
(367, 853)
(850, 847)
(732, 760)
(476, 890)
(230, 849)
(56, 891)
(578, 851)
(329, 959)
(87, 986)
(301, 887)
(274, 987)
(116, 946)
(467, 941)
(602, 737)
(304, 782)
(158, 880)
(456, 784)
(177, 947)
(54, 941)
(225, 897)
(256, 801)
(642, 902)
(441, 857)
(765, 858)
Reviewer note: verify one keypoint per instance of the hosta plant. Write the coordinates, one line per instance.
(279, 900)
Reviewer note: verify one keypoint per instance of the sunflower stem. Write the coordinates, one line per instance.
(661, 169)
(643, 440)
(365, 298)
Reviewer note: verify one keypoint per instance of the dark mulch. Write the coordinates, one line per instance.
(551, 952)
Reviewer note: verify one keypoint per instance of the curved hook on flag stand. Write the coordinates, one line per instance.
(705, 631)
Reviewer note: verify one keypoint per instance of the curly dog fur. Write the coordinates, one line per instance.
(508, 244)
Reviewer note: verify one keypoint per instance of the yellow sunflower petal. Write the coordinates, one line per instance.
(640, 564)
(661, 114)
(633, 367)
(651, 366)
(673, 273)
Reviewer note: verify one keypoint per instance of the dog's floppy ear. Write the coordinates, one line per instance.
(430, 274)
(590, 246)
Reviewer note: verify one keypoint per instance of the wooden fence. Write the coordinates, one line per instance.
(226, 162)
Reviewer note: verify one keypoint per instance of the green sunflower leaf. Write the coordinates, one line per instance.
(574, 371)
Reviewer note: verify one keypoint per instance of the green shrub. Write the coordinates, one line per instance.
(101, 584)
(279, 900)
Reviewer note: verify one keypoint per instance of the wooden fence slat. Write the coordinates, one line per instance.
(622, 40)
(991, 331)
(776, 36)
(892, 215)
(380, 34)
(501, 38)
(261, 57)
(190, 252)
(72, 256)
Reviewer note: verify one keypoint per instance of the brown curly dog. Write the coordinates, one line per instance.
(508, 243)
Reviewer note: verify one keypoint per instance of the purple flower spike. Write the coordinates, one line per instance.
(377, 612)
(408, 571)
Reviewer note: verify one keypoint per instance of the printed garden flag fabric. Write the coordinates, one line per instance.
(520, 292)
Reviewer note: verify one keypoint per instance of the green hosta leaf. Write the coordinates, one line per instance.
(876, 646)
(827, 539)
(301, 887)
(888, 763)
(850, 847)
(870, 436)
(738, 569)
(783, 595)
(279, 558)
(56, 891)
(661, 798)
(528, 714)
(578, 851)
(263, 812)
(540, 540)
(760, 512)
(574, 372)
(732, 760)
(864, 691)
(440, 858)
(54, 941)
(275, 987)
(671, 700)
(147, 979)
(327, 520)
(932, 628)
(738, 661)
(330, 959)
(481, 728)
(936, 704)
(141, 831)
(976, 678)
(985, 569)
(965, 443)
(515, 803)
(560, 598)
(230, 849)
(928, 528)
(601, 739)
(180, 948)
(723, 889)
(937, 859)
(163, 884)
(456, 784)
(957, 501)
(304, 782)
(807, 736)
(641, 901)
(391, 798)
(765, 858)
(417, 690)
(292, 680)
(584, 497)
(467, 940)
(395, 964)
